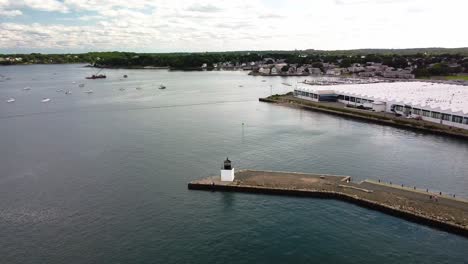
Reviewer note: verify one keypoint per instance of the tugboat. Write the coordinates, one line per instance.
(97, 75)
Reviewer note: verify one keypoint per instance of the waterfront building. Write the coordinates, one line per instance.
(435, 102)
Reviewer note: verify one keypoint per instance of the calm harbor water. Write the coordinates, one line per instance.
(101, 177)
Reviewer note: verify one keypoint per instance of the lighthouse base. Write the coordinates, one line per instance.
(227, 175)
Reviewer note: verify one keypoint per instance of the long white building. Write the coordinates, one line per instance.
(436, 102)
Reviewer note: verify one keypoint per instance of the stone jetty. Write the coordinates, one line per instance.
(436, 210)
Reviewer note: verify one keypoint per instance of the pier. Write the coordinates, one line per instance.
(440, 211)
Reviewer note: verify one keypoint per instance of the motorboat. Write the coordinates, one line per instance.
(45, 100)
(68, 92)
(27, 88)
(11, 100)
(122, 89)
(81, 85)
(162, 87)
(89, 92)
(96, 76)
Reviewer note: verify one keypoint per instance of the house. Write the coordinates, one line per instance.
(264, 70)
(300, 70)
(356, 69)
(402, 74)
(274, 70)
(315, 71)
(367, 74)
(335, 71)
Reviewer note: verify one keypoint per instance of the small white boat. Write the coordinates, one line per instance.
(73, 82)
(45, 100)
(27, 88)
(68, 92)
(89, 92)
(11, 100)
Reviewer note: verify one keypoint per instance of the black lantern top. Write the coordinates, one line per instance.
(227, 164)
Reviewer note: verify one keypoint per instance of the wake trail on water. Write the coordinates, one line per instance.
(83, 109)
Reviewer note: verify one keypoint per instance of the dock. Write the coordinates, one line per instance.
(443, 212)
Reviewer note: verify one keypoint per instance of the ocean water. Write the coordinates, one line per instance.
(102, 177)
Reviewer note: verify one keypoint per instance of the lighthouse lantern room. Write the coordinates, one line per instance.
(227, 172)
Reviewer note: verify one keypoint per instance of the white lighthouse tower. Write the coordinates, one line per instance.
(227, 172)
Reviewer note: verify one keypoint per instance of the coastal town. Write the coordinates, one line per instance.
(369, 69)
(443, 64)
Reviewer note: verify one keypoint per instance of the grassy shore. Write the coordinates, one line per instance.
(447, 78)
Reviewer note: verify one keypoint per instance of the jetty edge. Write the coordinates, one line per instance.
(442, 212)
(367, 116)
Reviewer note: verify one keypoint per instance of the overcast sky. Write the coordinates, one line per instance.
(165, 26)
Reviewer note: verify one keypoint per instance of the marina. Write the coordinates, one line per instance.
(437, 210)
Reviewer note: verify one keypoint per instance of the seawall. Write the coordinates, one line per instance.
(434, 210)
(368, 116)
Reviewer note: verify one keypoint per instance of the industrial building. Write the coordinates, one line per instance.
(435, 102)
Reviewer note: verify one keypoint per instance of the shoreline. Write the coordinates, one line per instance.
(444, 213)
(362, 115)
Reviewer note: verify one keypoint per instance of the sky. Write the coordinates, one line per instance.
(74, 26)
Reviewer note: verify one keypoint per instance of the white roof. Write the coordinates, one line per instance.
(448, 98)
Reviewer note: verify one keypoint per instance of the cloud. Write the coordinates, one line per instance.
(191, 25)
(42, 5)
(89, 17)
(270, 16)
(10, 13)
(207, 8)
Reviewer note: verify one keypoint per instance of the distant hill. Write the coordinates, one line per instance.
(435, 51)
